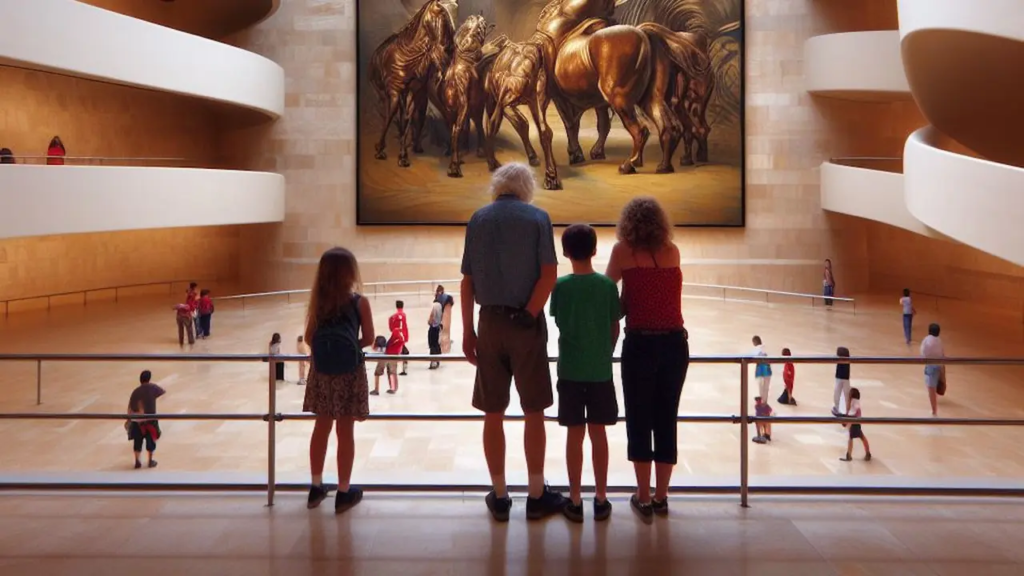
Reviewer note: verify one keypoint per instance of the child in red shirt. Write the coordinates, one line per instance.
(398, 321)
(788, 377)
(395, 346)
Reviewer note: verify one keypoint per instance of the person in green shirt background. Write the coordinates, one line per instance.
(585, 306)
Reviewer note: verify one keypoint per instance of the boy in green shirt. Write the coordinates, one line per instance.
(585, 306)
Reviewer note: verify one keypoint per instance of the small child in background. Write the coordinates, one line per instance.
(842, 389)
(763, 372)
(205, 309)
(394, 346)
(855, 429)
(380, 346)
(788, 377)
(908, 314)
(764, 429)
(303, 350)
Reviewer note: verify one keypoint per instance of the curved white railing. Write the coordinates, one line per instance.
(81, 40)
(43, 200)
(856, 66)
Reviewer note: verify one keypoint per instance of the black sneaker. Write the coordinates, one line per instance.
(660, 507)
(550, 502)
(345, 500)
(574, 512)
(317, 494)
(644, 511)
(499, 507)
(138, 464)
(152, 464)
(602, 510)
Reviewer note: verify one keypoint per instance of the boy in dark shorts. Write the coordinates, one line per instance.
(143, 401)
(585, 306)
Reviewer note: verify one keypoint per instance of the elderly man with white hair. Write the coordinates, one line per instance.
(509, 268)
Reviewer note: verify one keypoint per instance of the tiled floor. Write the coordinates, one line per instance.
(86, 534)
(446, 452)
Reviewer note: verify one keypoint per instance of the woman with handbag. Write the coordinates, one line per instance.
(934, 374)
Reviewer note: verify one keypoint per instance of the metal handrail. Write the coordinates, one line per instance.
(85, 293)
(744, 419)
(102, 158)
(434, 283)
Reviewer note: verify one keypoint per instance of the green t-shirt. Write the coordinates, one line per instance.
(585, 308)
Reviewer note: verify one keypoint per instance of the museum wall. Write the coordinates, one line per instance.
(788, 135)
(97, 119)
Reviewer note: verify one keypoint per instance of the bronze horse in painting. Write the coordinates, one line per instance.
(405, 66)
(462, 87)
(596, 64)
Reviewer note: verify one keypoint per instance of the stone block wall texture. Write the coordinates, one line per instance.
(97, 119)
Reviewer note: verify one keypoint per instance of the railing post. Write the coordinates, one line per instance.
(272, 432)
(39, 382)
(744, 433)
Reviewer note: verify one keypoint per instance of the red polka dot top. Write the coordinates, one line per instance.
(653, 298)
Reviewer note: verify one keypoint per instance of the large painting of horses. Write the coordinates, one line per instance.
(606, 99)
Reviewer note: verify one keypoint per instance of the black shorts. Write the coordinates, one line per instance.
(582, 403)
(855, 431)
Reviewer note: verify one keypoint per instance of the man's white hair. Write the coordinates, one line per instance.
(515, 179)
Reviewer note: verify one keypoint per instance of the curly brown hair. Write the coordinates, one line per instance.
(644, 225)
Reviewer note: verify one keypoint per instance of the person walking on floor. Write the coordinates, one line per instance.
(509, 268)
(399, 321)
(934, 373)
(183, 316)
(434, 332)
(274, 349)
(855, 429)
(655, 353)
(789, 379)
(447, 304)
(395, 346)
(763, 370)
(143, 401)
(205, 308)
(908, 315)
(828, 283)
(339, 324)
(585, 306)
(380, 346)
(841, 392)
(192, 299)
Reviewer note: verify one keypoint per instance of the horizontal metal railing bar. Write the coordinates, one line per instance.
(455, 281)
(515, 489)
(115, 416)
(106, 289)
(887, 420)
(710, 359)
(705, 419)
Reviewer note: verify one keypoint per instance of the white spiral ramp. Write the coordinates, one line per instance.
(83, 41)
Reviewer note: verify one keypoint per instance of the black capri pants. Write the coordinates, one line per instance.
(654, 368)
(147, 431)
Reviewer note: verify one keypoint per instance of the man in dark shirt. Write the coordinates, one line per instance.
(143, 401)
(509, 268)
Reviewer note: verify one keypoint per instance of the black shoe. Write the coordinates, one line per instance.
(644, 511)
(550, 502)
(867, 458)
(574, 512)
(660, 507)
(152, 463)
(846, 458)
(403, 373)
(768, 437)
(602, 510)
(345, 500)
(138, 464)
(499, 507)
(317, 494)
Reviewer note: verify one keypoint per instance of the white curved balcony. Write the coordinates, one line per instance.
(80, 40)
(44, 200)
(871, 193)
(971, 200)
(856, 66)
(207, 18)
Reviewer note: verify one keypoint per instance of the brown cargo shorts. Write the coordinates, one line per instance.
(507, 349)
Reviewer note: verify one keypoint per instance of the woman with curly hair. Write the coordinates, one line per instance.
(655, 353)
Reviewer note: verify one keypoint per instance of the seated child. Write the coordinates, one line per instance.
(788, 377)
(764, 429)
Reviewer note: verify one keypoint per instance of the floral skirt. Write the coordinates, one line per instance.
(344, 395)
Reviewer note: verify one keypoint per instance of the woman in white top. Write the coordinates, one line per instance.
(931, 347)
(908, 314)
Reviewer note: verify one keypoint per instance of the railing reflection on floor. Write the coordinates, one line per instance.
(743, 419)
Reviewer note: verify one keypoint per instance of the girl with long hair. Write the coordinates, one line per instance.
(339, 324)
